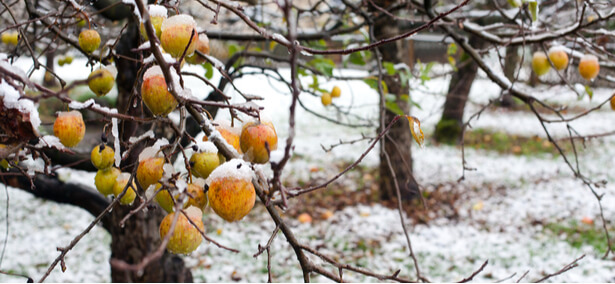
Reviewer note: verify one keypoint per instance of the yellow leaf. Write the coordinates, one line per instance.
(272, 45)
(415, 129)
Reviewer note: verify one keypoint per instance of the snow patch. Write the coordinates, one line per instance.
(235, 168)
(178, 20)
(157, 11)
(12, 100)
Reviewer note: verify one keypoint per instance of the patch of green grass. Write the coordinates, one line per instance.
(578, 235)
(502, 142)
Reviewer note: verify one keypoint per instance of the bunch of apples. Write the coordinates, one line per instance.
(326, 98)
(589, 66)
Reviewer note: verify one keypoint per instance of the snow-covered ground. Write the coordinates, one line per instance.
(504, 207)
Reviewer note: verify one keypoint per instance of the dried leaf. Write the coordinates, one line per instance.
(415, 129)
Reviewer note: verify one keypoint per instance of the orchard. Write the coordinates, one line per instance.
(279, 138)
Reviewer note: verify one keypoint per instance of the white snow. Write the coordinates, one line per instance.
(519, 194)
(49, 141)
(235, 169)
(206, 147)
(13, 100)
(157, 11)
(589, 57)
(178, 20)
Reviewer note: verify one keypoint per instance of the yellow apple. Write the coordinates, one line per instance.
(185, 237)
(105, 180)
(589, 67)
(89, 40)
(540, 63)
(178, 34)
(256, 139)
(102, 156)
(69, 128)
(155, 93)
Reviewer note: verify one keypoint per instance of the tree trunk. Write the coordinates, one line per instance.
(511, 62)
(448, 130)
(395, 153)
(140, 236)
(49, 80)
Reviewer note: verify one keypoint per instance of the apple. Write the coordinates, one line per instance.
(198, 198)
(304, 218)
(256, 139)
(120, 183)
(231, 192)
(101, 81)
(69, 128)
(179, 32)
(150, 171)
(102, 156)
(10, 38)
(589, 67)
(163, 198)
(185, 237)
(155, 93)
(540, 63)
(559, 57)
(229, 133)
(205, 161)
(202, 45)
(157, 14)
(325, 99)
(105, 180)
(336, 92)
(89, 40)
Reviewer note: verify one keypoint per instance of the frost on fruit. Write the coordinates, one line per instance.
(229, 133)
(231, 192)
(157, 15)
(185, 237)
(178, 35)
(559, 57)
(69, 128)
(155, 93)
(589, 67)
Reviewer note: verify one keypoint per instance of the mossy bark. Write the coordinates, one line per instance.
(448, 130)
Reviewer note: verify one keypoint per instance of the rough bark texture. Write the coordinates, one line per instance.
(448, 130)
(140, 236)
(398, 140)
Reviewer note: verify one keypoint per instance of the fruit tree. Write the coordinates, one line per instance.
(161, 153)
